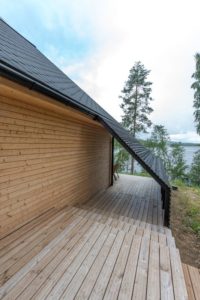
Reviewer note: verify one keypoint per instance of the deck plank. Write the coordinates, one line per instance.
(102, 281)
(153, 287)
(195, 279)
(113, 287)
(140, 286)
(112, 247)
(73, 286)
(189, 286)
(165, 274)
(90, 279)
(62, 265)
(36, 276)
(65, 279)
(15, 262)
(192, 277)
(180, 291)
(15, 237)
(21, 273)
(126, 288)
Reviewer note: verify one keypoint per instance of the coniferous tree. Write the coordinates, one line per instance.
(177, 165)
(196, 87)
(136, 96)
(158, 143)
(121, 156)
(195, 169)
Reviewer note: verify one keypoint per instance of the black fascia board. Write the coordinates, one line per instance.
(31, 84)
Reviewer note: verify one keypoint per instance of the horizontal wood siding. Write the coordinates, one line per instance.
(47, 160)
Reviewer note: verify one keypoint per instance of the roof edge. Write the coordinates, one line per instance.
(17, 32)
(31, 84)
(22, 78)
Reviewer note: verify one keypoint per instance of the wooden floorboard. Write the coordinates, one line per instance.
(89, 281)
(35, 277)
(192, 278)
(112, 247)
(106, 272)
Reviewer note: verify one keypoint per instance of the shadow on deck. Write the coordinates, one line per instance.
(112, 247)
(133, 197)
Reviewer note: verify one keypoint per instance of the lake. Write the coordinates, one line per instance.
(189, 152)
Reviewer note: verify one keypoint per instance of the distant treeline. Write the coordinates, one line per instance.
(181, 143)
(185, 144)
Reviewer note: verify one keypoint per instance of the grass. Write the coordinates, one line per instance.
(185, 222)
(192, 219)
(189, 201)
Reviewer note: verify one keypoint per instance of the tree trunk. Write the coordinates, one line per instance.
(134, 125)
(132, 165)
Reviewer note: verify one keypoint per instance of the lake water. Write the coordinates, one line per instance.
(189, 152)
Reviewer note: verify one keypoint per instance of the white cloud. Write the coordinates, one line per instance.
(190, 136)
(164, 35)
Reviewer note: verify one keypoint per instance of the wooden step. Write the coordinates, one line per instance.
(114, 216)
(141, 228)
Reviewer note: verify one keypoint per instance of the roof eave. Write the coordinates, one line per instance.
(31, 84)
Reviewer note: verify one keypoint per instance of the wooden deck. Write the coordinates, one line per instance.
(112, 247)
(192, 278)
(133, 197)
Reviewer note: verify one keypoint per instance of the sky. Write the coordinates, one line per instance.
(97, 42)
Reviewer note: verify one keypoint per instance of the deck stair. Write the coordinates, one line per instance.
(158, 233)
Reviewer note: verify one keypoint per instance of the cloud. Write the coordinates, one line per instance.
(96, 43)
(161, 39)
(190, 136)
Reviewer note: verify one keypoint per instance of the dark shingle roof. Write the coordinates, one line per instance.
(21, 58)
(20, 54)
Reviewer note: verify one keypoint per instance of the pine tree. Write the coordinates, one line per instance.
(120, 156)
(177, 166)
(195, 169)
(196, 87)
(136, 96)
(158, 143)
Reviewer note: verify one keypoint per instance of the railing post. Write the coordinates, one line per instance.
(167, 207)
(163, 197)
(112, 160)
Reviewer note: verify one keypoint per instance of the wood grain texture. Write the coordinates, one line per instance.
(47, 159)
(192, 279)
(95, 251)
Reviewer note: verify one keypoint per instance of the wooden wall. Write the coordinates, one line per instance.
(47, 160)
